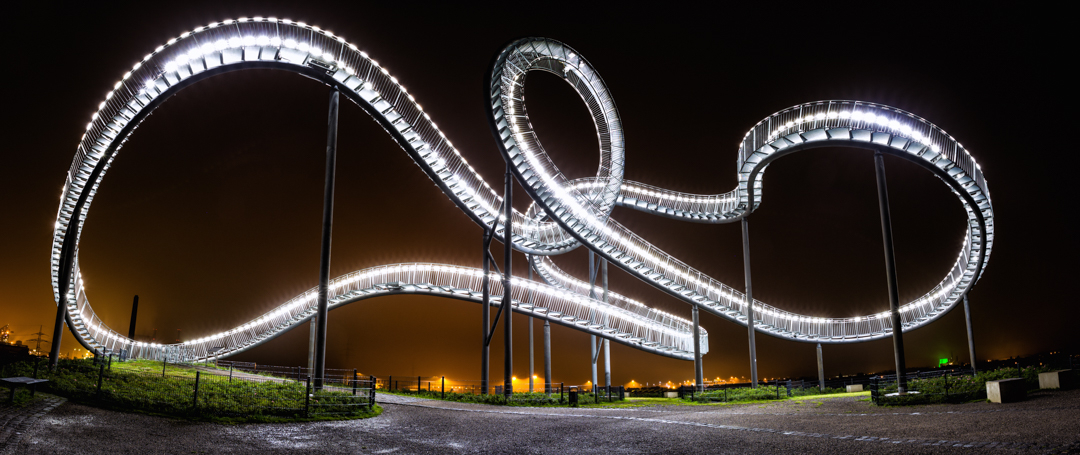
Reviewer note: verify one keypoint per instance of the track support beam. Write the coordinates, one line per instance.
(970, 334)
(890, 272)
(327, 224)
(749, 301)
(699, 379)
(820, 369)
(532, 349)
(507, 301)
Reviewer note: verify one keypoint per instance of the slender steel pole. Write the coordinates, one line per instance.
(508, 261)
(593, 353)
(547, 356)
(313, 326)
(532, 350)
(607, 343)
(607, 365)
(890, 272)
(58, 328)
(971, 335)
(592, 295)
(699, 376)
(328, 221)
(749, 300)
(485, 350)
(820, 369)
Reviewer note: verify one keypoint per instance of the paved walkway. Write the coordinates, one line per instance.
(1045, 423)
(16, 420)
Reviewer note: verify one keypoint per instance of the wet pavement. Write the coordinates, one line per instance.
(1047, 422)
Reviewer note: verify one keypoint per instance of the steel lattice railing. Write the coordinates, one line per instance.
(565, 214)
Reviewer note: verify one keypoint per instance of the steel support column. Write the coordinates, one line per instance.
(532, 350)
(749, 301)
(58, 327)
(328, 220)
(508, 262)
(971, 335)
(820, 369)
(313, 326)
(890, 272)
(134, 317)
(699, 376)
(547, 356)
(485, 350)
(593, 351)
(607, 343)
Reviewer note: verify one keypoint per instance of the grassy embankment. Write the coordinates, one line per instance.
(169, 390)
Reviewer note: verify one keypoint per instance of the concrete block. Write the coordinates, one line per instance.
(671, 394)
(1006, 390)
(1060, 379)
(854, 388)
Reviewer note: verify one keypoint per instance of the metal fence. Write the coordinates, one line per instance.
(298, 373)
(205, 392)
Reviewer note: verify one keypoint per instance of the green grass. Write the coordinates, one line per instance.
(139, 386)
(22, 397)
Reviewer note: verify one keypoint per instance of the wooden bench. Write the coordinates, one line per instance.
(22, 381)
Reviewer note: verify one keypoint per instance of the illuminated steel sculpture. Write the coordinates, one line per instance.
(565, 214)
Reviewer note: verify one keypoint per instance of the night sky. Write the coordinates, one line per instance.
(211, 212)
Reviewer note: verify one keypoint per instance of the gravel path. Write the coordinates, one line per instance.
(1048, 422)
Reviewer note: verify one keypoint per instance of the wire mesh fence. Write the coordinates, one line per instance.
(189, 390)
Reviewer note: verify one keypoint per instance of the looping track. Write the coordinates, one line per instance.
(565, 214)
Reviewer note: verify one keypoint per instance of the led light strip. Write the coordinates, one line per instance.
(564, 215)
(571, 203)
(672, 338)
(283, 44)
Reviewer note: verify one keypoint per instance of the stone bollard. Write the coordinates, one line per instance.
(1006, 390)
(1060, 379)
(854, 388)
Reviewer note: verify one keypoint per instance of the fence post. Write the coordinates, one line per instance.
(307, 397)
(110, 362)
(230, 374)
(788, 387)
(164, 362)
(195, 399)
(946, 386)
(390, 384)
(371, 391)
(561, 384)
(355, 379)
(101, 373)
(444, 387)
(418, 385)
(36, 363)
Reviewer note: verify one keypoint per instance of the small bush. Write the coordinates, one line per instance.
(956, 389)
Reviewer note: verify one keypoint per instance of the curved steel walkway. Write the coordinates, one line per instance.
(565, 214)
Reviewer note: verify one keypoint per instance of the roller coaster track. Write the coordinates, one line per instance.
(565, 214)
